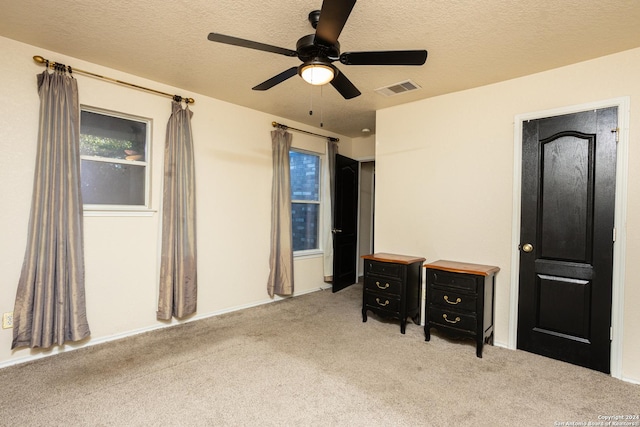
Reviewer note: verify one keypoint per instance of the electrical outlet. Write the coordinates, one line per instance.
(7, 320)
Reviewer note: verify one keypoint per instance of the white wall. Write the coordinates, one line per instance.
(362, 148)
(444, 175)
(233, 173)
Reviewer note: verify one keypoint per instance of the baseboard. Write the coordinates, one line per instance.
(174, 322)
(91, 342)
(630, 380)
(502, 344)
(625, 379)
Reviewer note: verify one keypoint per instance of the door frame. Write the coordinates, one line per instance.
(619, 246)
(373, 209)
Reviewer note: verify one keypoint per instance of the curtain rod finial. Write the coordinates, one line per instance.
(39, 59)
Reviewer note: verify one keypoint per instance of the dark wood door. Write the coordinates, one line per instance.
(567, 233)
(345, 223)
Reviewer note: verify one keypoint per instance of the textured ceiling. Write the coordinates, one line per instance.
(470, 43)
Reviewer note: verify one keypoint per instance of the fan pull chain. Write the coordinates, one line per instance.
(321, 109)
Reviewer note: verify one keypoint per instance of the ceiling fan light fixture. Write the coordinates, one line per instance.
(317, 72)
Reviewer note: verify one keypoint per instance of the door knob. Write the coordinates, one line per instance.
(527, 247)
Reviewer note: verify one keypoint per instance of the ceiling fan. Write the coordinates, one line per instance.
(318, 51)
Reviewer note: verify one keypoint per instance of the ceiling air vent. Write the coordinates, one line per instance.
(398, 88)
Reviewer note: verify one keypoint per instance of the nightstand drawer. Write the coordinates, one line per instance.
(382, 302)
(449, 299)
(383, 268)
(382, 284)
(453, 280)
(453, 319)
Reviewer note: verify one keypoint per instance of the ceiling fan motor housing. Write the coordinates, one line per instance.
(309, 48)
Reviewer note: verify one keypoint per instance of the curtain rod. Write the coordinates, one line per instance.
(285, 127)
(50, 64)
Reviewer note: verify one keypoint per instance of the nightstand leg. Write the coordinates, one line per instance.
(416, 319)
(403, 325)
(489, 339)
(364, 315)
(427, 333)
(479, 349)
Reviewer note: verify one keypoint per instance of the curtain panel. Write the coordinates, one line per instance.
(50, 300)
(281, 257)
(328, 202)
(178, 264)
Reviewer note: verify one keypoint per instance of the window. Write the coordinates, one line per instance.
(305, 200)
(114, 153)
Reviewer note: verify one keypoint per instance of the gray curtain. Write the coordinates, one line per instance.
(281, 257)
(50, 301)
(178, 264)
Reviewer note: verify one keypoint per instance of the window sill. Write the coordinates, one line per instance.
(315, 253)
(118, 212)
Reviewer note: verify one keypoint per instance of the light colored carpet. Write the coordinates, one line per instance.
(306, 361)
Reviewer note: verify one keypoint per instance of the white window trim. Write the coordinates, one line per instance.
(308, 253)
(313, 253)
(116, 210)
(124, 210)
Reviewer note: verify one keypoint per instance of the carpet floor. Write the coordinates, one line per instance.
(306, 361)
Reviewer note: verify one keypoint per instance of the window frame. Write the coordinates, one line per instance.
(320, 249)
(123, 210)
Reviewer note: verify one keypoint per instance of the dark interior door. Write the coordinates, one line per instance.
(345, 223)
(566, 249)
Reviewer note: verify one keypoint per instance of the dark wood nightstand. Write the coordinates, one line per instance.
(392, 286)
(460, 300)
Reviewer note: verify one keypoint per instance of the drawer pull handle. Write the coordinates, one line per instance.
(458, 300)
(444, 316)
(386, 302)
(386, 285)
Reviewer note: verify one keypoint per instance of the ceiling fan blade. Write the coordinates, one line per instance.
(221, 38)
(388, 57)
(333, 16)
(268, 84)
(344, 86)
